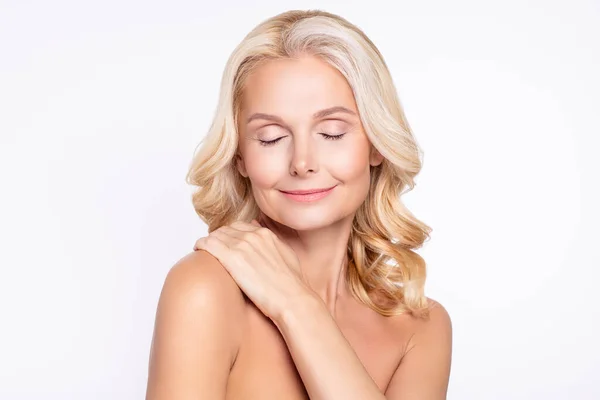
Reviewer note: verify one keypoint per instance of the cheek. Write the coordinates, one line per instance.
(264, 167)
(350, 165)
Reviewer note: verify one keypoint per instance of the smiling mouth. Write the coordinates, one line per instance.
(308, 191)
(307, 195)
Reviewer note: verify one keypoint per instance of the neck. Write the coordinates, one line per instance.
(322, 254)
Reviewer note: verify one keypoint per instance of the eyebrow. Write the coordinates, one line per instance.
(319, 114)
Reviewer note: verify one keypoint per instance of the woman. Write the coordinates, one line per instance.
(307, 285)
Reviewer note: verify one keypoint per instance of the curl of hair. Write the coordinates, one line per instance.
(383, 270)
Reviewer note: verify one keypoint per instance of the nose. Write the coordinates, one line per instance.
(304, 158)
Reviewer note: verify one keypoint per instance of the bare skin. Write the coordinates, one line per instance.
(211, 341)
(265, 369)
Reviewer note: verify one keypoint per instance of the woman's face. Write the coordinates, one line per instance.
(299, 130)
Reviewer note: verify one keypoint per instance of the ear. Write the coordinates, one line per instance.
(241, 166)
(375, 158)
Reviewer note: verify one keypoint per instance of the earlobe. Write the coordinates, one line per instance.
(375, 158)
(241, 166)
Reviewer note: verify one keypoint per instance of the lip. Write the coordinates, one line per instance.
(308, 191)
(307, 195)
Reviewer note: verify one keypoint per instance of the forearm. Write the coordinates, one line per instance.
(329, 367)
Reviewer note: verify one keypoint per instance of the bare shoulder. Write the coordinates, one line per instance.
(198, 328)
(438, 320)
(200, 276)
(424, 370)
(436, 327)
(200, 286)
(198, 283)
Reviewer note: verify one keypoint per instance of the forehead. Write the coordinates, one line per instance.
(295, 88)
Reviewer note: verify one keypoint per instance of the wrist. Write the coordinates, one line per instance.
(297, 309)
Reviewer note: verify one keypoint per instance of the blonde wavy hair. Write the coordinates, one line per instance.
(383, 271)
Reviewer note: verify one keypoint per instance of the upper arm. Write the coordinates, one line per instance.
(424, 371)
(196, 333)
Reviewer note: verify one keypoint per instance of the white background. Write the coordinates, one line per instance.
(103, 103)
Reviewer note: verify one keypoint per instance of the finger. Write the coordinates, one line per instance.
(244, 241)
(244, 226)
(259, 239)
(200, 243)
(227, 235)
(213, 245)
(238, 232)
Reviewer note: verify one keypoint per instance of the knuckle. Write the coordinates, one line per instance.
(211, 239)
(250, 236)
(242, 244)
(264, 232)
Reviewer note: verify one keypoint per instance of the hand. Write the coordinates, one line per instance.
(264, 267)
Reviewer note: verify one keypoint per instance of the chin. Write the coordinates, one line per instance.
(309, 220)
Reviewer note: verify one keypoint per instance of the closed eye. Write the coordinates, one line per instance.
(325, 136)
(332, 137)
(270, 142)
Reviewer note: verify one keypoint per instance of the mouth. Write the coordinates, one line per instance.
(307, 195)
(307, 191)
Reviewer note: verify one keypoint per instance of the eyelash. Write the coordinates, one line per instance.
(325, 136)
